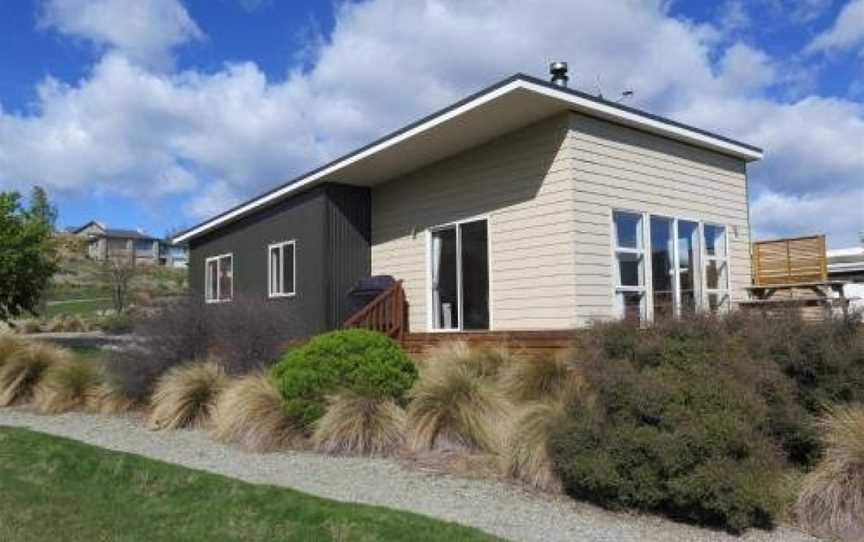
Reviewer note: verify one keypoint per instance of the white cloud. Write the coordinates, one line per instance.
(220, 136)
(776, 215)
(847, 31)
(144, 30)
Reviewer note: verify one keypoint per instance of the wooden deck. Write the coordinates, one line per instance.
(532, 342)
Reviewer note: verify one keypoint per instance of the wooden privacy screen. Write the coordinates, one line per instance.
(790, 261)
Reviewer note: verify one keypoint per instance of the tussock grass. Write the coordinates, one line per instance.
(358, 424)
(23, 370)
(452, 406)
(831, 501)
(8, 346)
(536, 379)
(186, 395)
(485, 361)
(67, 386)
(106, 398)
(251, 412)
(526, 456)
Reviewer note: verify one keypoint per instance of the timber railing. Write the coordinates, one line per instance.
(385, 313)
(790, 261)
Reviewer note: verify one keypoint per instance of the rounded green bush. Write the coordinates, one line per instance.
(357, 360)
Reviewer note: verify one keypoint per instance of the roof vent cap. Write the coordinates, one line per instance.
(559, 73)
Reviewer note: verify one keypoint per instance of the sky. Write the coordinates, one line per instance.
(160, 113)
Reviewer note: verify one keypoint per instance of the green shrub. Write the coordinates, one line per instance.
(356, 360)
(682, 422)
(116, 323)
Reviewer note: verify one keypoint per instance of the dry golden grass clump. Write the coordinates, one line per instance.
(250, 412)
(454, 406)
(831, 501)
(541, 378)
(356, 424)
(525, 454)
(105, 398)
(486, 361)
(186, 395)
(8, 346)
(24, 368)
(67, 386)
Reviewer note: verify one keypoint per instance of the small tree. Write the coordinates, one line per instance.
(41, 209)
(118, 272)
(27, 255)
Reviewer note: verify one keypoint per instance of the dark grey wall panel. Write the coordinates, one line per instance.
(331, 227)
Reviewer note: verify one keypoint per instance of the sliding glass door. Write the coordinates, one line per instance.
(459, 258)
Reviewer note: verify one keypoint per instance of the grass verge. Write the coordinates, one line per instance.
(94, 494)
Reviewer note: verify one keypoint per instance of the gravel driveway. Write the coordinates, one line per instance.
(495, 507)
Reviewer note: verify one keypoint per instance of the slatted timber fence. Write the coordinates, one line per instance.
(790, 261)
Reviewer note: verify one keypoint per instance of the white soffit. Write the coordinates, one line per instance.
(480, 118)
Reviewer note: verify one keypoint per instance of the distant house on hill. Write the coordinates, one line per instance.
(104, 243)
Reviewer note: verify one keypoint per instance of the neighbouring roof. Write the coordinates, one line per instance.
(846, 260)
(115, 233)
(87, 225)
(504, 107)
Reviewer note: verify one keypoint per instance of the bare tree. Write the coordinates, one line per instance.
(118, 272)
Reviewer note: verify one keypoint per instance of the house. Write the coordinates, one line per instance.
(847, 264)
(526, 206)
(104, 243)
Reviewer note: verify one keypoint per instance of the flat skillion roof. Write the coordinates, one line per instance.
(504, 107)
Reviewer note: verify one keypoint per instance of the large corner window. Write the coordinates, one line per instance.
(688, 268)
(716, 268)
(219, 278)
(459, 276)
(629, 265)
(281, 264)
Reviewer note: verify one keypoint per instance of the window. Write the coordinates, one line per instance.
(281, 265)
(688, 268)
(716, 268)
(459, 276)
(219, 278)
(629, 265)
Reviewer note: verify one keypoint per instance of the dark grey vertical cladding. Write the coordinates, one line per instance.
(301, 218)
(349, 227)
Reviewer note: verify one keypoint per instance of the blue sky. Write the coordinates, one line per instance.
(158, 113)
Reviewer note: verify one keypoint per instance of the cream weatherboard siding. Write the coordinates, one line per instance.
(548, 191)
(523, 183)
(616, 167)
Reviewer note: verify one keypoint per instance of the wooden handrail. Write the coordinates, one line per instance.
(385, 313)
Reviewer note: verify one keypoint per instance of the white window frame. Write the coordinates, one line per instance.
(722, 261)
(642, 241)
(207, 279)
(699, 267)
(281, 248)
(457, 224)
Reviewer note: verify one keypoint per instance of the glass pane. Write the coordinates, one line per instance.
(629, 269)
(288, 269)
(688, 250)
(628, 230)
(225, 278)
(445, 299)
(275, 265)
(715, 241)
(212, 277)
(475, 275)
(630, 306)
(662, 271)
(715, 275)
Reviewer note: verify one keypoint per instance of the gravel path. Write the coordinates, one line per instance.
(495, 507)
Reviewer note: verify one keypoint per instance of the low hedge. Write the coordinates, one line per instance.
(355, 360)
(682, 422)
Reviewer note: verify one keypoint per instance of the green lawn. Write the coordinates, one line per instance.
(54, 489)
(86, 307)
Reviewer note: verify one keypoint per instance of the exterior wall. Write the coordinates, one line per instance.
(523, 183)
(616, 167)
(548, 192)
(310, 219)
